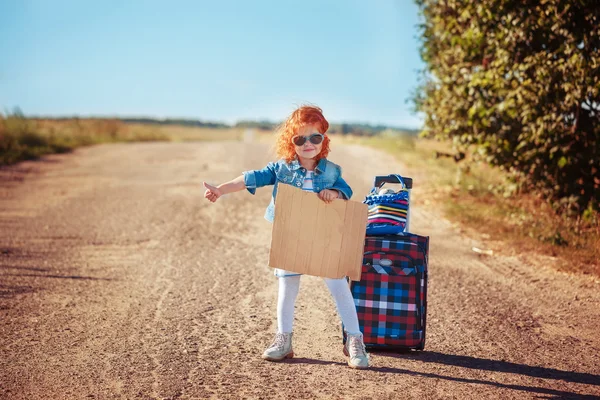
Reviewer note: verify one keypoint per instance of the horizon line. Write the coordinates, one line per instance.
(193, 119)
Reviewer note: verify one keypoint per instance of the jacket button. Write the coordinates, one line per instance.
(298, 183)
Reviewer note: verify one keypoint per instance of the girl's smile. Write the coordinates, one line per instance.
(307, 151)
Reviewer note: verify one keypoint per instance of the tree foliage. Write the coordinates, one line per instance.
(520, 81)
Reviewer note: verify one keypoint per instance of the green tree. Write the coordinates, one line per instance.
(520, 81)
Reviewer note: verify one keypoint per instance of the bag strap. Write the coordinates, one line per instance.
(383, 182)
(392, 178)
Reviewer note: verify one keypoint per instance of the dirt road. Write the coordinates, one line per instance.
(118, 280)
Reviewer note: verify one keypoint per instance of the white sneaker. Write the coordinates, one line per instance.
(354, 348)
(280, 348)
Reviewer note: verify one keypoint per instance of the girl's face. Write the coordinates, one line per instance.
(308, 149)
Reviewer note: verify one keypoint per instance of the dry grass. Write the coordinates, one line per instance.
(179, 133)
(89, 131)
(482, 199)
(25, 139)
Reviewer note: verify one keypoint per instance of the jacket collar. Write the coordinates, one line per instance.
(321, 165)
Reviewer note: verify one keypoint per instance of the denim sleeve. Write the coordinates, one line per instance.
(259, 178)
(341, 186)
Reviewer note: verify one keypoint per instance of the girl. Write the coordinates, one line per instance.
(303, 147)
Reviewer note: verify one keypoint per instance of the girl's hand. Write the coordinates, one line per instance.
(212, 193)
(328, 195)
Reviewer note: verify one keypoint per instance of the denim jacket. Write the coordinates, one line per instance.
(327, 175)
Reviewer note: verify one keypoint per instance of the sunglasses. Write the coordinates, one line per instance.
(315, 138)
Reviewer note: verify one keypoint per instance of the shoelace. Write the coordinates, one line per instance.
(357, 348)
(279, 341)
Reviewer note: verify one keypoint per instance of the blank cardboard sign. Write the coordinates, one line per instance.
(314, 238)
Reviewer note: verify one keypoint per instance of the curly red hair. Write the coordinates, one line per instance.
(304, 115)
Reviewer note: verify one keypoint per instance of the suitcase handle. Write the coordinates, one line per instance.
(392, 178)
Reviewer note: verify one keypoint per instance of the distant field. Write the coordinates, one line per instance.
(179, 133)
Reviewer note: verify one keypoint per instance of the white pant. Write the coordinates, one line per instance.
(340, 291)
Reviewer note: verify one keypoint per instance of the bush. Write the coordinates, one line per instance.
(520, 81)
(19, 139)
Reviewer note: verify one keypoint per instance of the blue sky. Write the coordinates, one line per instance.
(211, 60)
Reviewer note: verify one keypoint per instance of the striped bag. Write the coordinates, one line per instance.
(388, 210)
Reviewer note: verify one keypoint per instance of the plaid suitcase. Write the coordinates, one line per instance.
(391, 297)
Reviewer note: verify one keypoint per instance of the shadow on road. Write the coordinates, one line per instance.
(553, 394)
(496, 366)
(505, 366)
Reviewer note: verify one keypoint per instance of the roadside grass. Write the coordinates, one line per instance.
(23, 138)
(481, 199)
